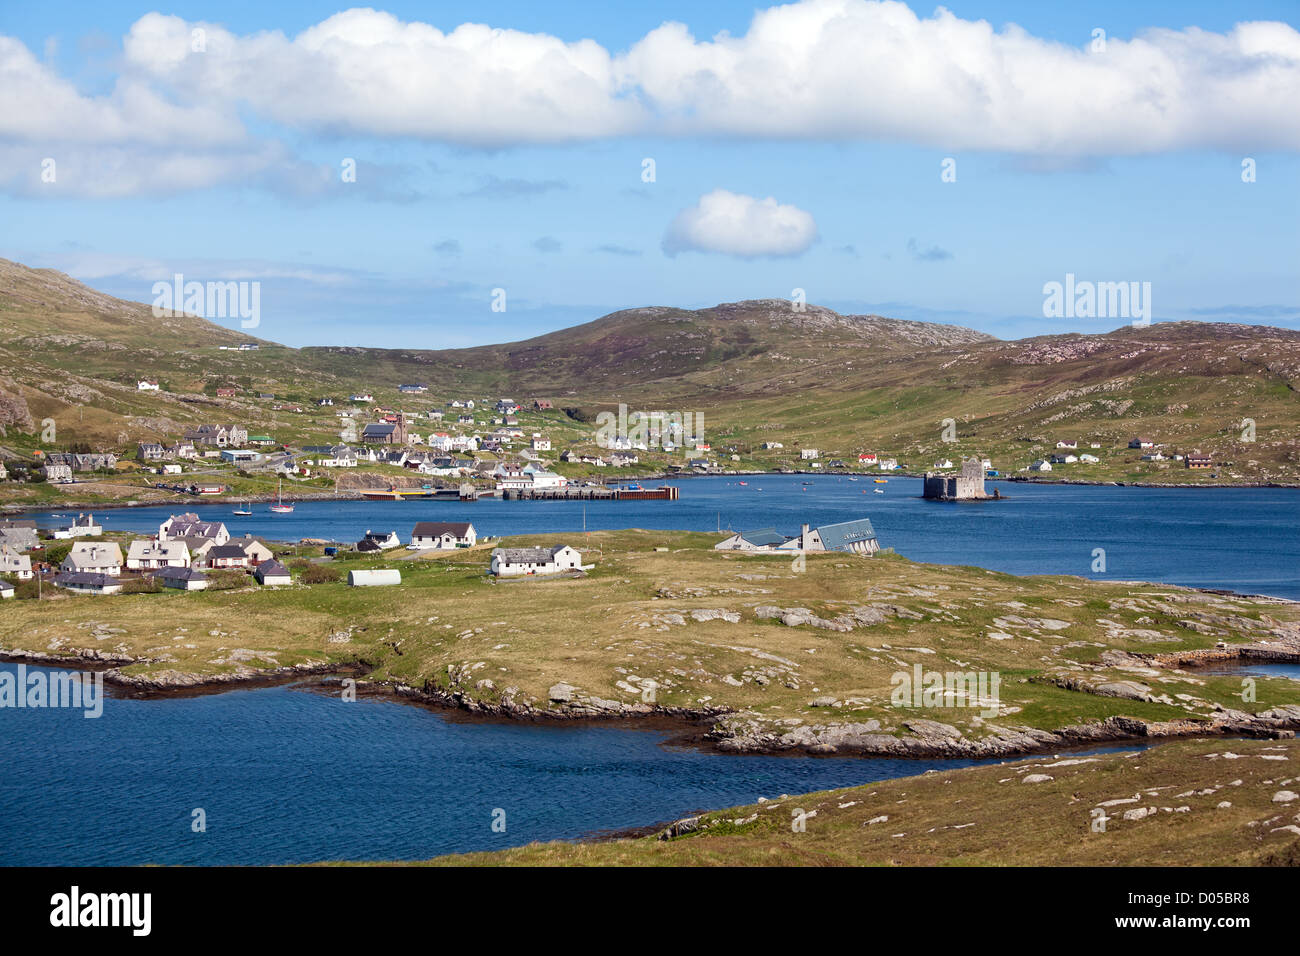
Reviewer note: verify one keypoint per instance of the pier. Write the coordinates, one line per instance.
(573, 493)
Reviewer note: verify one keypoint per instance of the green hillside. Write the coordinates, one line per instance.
(757, 371)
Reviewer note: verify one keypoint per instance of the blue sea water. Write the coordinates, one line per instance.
(286, 774)
(1241, 539)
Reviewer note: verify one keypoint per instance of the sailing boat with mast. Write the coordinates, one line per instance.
(280, 507)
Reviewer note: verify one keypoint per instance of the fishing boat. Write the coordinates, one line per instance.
(880, 491)
(744, 482)
(243, 509)
(280, 507)
(853, 479)
(881, 481)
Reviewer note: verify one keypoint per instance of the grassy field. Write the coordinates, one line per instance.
(1188, 803)
(664, 622)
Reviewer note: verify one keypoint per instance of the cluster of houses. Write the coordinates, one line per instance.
(1151, 452)
(177, 557)
(1068, 451)
(450, 535)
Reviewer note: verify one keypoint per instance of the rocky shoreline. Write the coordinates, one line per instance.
(722, 729)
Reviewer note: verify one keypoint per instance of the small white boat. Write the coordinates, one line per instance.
(280, 507)
(243, 509)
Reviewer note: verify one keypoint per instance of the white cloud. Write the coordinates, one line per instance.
(38, 106)
(850, 69)
(740, 225)
(825, 70)
(364, 71)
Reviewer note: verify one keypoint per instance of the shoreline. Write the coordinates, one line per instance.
(706, 729)
(665, 476)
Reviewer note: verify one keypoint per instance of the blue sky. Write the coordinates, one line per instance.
(450, 203)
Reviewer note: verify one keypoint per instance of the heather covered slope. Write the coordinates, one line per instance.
(758, 372)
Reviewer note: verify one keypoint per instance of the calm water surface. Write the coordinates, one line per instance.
(1241, 539)
(290, 775)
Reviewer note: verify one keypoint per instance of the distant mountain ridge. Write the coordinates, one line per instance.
(759, 369)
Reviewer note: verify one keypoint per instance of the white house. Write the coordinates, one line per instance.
(1088, 458)
(190, 525)
(1067, 443)
(145, 553)
(511, 477)
(93, 557)
(85, 582)
(807, 454)
(145, 385)
(518, 562)
(6, 590)
(441, 535)
(1041, 465)
(83, 526)
(272, 574)
(541, 444)
(257, 552)
(11, 562)
(943, 463)
(379, 541)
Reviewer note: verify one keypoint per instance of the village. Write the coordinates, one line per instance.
(357, 446)
(463, 448)
(191, 554)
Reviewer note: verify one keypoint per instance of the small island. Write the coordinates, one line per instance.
(968, 486)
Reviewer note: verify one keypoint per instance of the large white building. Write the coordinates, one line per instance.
(83, 526)
(11, 562)
(442, 535)
(145, 553)
(94, 557)
(518, 562)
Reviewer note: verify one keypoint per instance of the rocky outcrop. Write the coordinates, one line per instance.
(854, 617)
(745, 733)
(14, 412)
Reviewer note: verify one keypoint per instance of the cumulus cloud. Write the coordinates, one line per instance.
(365, 71)
(740, 225)
(38, 106)
(189, 110)
(852, 69)
(828, 69)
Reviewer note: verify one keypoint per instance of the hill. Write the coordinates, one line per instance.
(757, 371)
